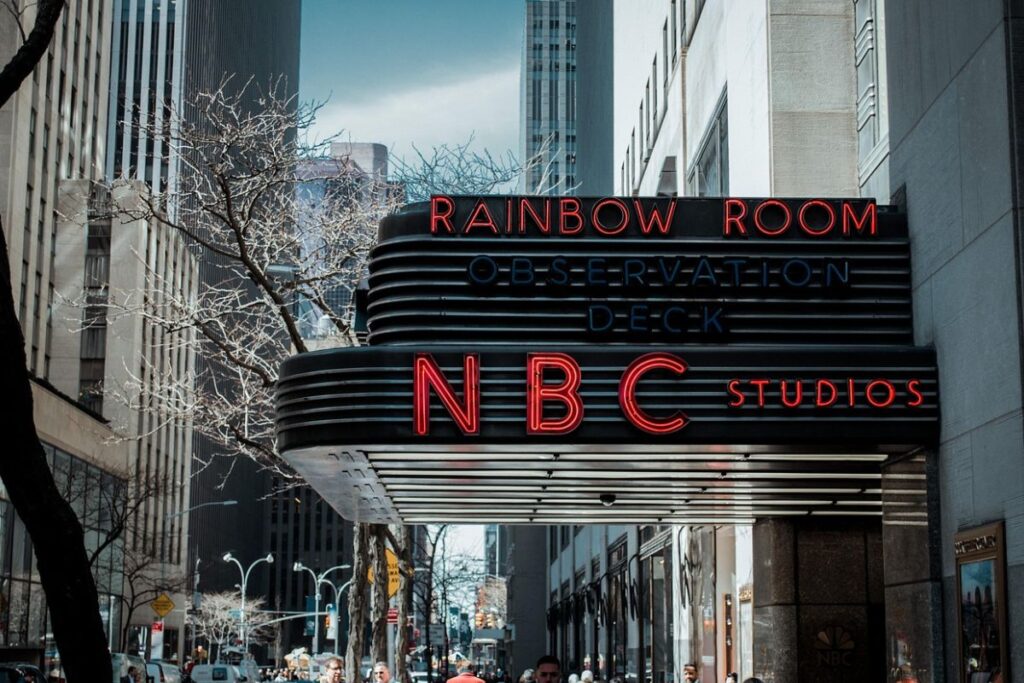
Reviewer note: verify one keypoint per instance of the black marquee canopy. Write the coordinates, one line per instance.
(619, 360)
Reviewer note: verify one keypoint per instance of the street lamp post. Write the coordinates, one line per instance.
(228, 557)
(163, 565)
(337, 611)
(317, 581)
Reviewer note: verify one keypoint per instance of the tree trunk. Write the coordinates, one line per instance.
(405, 582)
(56, 533)
(357, 603)
(379, 618)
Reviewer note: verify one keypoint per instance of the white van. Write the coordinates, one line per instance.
(218, 673)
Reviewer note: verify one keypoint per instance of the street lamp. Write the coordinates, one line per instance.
(225, 503)
(317, 581)
(228, 557)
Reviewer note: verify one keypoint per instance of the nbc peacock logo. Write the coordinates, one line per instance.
(835, 646)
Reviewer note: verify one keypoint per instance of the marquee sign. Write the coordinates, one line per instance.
(745, 357)
(691, 271)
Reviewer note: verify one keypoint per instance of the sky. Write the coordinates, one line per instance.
(414, 72)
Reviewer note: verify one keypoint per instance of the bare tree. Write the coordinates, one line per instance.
(56, 533)
(218, 621)
(283, 232)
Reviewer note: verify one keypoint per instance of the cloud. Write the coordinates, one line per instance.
(483, 105)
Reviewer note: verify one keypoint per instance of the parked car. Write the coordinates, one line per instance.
(218, 673)
(10, 674)
(123, 663)
(31, 672)
(163, 672)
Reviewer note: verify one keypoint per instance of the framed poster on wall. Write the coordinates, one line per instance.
(981, 608)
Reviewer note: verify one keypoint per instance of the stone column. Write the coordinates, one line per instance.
(818, 594)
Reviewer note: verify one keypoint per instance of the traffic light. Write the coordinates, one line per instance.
(479, 619)
(490, 621)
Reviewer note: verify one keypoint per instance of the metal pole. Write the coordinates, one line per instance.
(316, 623)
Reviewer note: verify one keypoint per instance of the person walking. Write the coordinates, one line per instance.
(465, 675)
(332, 670)
(381, 673)
(548, 670)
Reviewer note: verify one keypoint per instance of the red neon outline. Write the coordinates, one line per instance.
(808, 229)
(799, 393)
(474, 223)
(563, 212)
(871, 399)
(655, 218)
(738, 220)
(545, 226)
(627, 393)
(913, 388)
(740, 397)
(760, 384)
(817, 393)
(567, 392)
(445, 217)
(765, 231)
(870, 214)
(618, 228)
(427, 374)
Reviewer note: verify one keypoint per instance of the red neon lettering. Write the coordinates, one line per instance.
(734, 219)
(914, 389)
(508, 216)
(537, 392)
(870, 216)
(442, 208)
(764, 230)
(850, 396)
(819, 399)
(885, 403)
(427, 375)
(802, 218)
(735, 391)
(760, 384)
(565, 212)
(654, 220)
(476, 221)
(526, 206)
(627, 393)
(799, 394)
(623, 221)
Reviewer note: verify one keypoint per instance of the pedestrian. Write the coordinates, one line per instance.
(381, 673)
(548, 670)
(587, 676)
(732, 677)
(465, 675)
(527, 676)
(690, 673)
(752, 679)
(331, 671)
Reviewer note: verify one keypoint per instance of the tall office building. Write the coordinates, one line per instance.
(548, 96)
(146, 68)
(50, 131)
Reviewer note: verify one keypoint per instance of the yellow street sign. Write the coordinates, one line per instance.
(162, 605)
(392, 572)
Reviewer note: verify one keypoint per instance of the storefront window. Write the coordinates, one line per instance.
(657, 622)
(618, 612)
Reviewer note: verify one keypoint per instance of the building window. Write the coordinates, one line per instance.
(709, 174)
(675, 45)
(866, 59)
